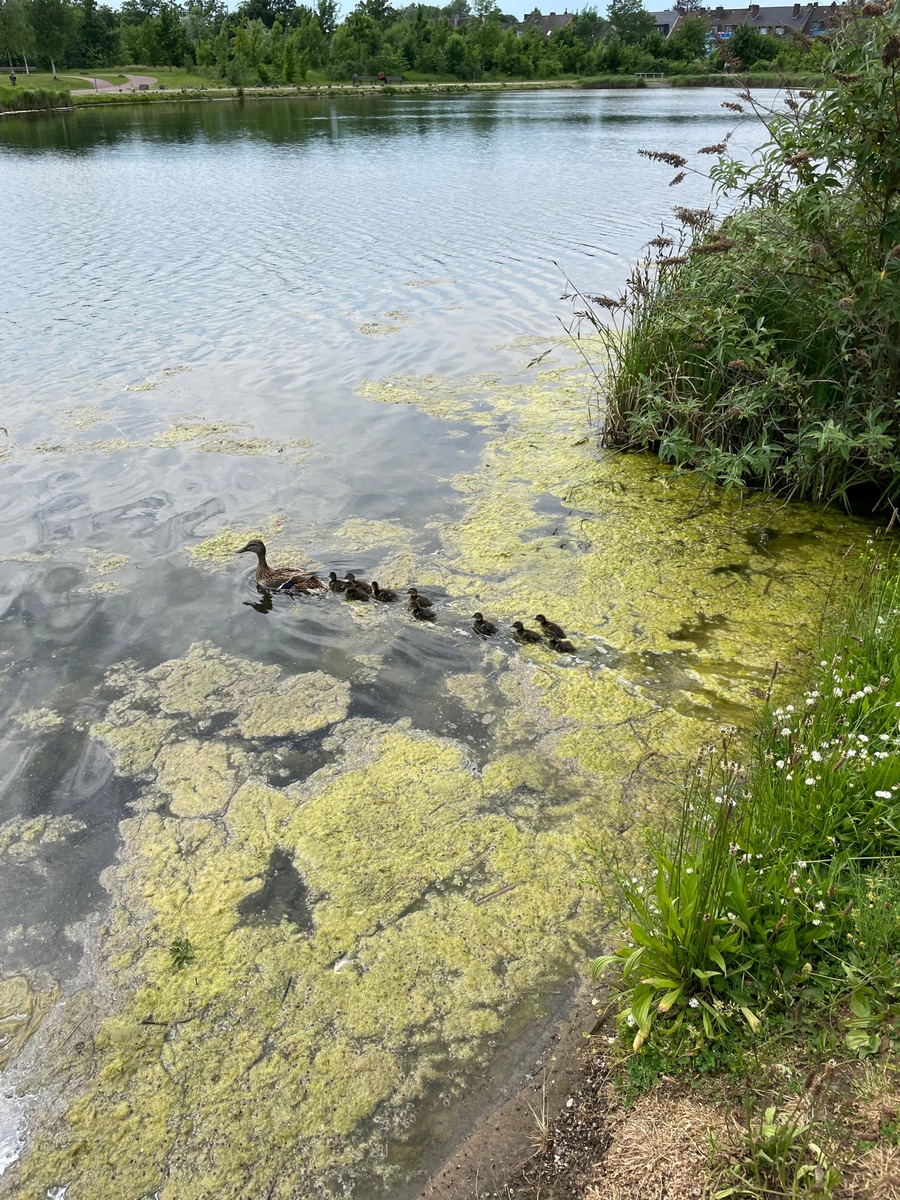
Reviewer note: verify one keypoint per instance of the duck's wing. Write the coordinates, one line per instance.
(306, 582)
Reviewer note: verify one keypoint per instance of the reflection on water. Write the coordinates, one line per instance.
(320, 795)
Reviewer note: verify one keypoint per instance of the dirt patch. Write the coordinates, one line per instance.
(523, 1130)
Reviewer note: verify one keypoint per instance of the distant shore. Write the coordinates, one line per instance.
(67, 101)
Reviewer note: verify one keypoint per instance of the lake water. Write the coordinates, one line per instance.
(312, 321)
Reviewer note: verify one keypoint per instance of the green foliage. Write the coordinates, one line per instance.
(780, 1158)
(28, 99)
(182, 953)
(777, 887)
(766, 351)
(747, 47)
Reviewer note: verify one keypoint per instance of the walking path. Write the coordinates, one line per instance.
(103, 85)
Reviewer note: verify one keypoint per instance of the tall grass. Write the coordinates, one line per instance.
(750, 904)
(32, 99)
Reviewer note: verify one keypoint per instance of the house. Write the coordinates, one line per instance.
(812, 19)
(546, 25)
(666, 21)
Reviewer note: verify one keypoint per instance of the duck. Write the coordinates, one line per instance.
(353, 591)
(335, 584)
(526, 636)
(482, 627)
(281, 578)
(421, 613)
(385, 595)
(416, 597)
(352, 581)
(549, 628)
(560, 645)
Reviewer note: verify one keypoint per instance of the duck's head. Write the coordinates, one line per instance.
(541, 619)
(412, 592)
(518, 626)
(374, 585)
(253, 547)
(477, 617)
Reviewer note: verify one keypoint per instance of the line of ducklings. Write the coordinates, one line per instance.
(294, 582)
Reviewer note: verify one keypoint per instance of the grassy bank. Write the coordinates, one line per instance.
(763, 927)
(18, 99)
(757, 79)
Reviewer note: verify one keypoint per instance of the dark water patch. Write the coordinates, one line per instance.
(702, 631)
(283, 896)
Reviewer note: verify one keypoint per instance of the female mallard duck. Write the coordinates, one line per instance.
(352, 581)
(417, 599)
(281, 578)
(483, 627)
(550, 628)
(560, 645)
(385, 595)
(335, 584)
(526, 636)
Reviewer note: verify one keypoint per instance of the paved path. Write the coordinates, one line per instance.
(103, 85)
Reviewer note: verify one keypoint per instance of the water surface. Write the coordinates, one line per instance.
(311, 320)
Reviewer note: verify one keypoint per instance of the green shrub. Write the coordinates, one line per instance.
(765, 350)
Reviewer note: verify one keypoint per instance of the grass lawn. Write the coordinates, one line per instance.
(175, 77)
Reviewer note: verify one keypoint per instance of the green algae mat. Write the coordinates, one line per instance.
(359, 943)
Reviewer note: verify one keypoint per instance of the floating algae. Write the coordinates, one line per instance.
(22, 1008)
(365, 935)
(204, 437)
(38, 718)
(97, 563)
(449, 911)
(221, 547)
(24, 838)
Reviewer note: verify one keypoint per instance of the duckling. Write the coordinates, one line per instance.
(385, 595)
(421, 613)
(352, 581)
(560, 645)
(287, 578)
(335, 584)
(483, 627)
(417, 598)
(549, 628)
(354, 592)
(525, 636)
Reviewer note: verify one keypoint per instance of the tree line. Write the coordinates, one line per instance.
(277, 41)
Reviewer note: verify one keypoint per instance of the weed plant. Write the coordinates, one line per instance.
(778, 889)
(764, 349)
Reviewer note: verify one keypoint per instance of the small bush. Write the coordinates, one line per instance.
(765, 350)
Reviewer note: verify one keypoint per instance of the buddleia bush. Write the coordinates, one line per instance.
(764, 349)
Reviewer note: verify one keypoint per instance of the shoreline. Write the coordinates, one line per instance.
(325, 90)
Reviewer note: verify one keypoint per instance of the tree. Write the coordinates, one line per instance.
(630, 21)
(326, 13)
(53, 22)
(97, 38)
(688, 42)
(748, 46)
(16, 33)
(590, 26)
